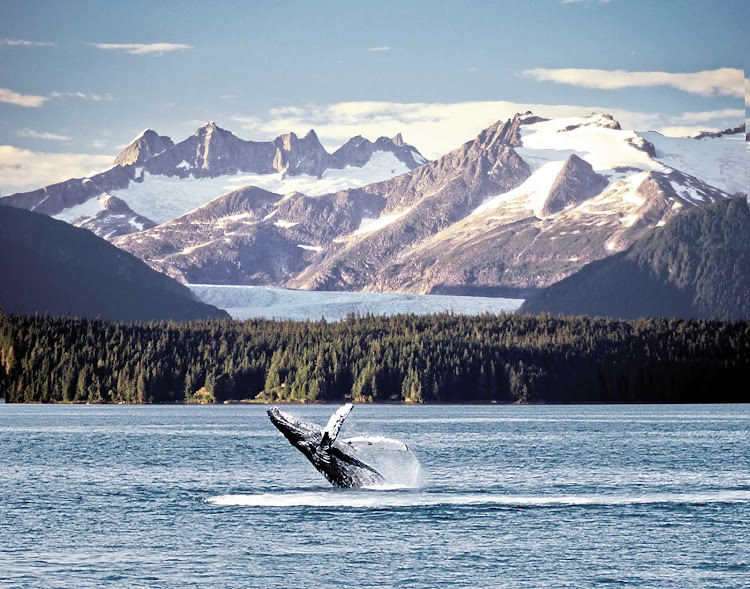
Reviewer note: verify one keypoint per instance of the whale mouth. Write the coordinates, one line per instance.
(293, 429)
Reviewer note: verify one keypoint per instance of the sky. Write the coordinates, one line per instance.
(80, 79)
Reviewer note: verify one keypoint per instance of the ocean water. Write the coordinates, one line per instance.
(186, 496)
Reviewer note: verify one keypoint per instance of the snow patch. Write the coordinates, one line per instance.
(284, 224)
(135, 224)
(81, 212)
(605, 149)
(164, 198)
(719, 161)
(313, 248)
(533, 192)
(372, 225)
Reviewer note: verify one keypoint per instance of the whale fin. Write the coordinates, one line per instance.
(377, 443)
(331, 431)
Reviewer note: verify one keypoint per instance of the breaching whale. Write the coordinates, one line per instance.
(338, 460)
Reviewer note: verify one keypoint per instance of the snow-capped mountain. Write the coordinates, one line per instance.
(525, 204)
(158, 180)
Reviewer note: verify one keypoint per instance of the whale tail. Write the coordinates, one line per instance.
(331, 431)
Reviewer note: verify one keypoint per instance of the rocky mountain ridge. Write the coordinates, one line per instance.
(209, 153)
(526, 203)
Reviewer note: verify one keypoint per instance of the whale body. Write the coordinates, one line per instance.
(338, 460)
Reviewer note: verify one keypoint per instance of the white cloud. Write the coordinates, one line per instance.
(32, 101)
(23, 169)
(23, 43)
(98, 144)
(437, 128)
(434, 128)
(81, 95)
(733, 114)
(28, 100)
(142, 48)
(384, 48)
(747, 93)
(686, 130)
(31, 133)
(723, 81)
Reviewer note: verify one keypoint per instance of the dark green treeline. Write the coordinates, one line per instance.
(438, 358)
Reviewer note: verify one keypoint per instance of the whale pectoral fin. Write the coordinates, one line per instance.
(331, 431)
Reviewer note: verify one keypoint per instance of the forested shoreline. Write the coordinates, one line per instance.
(440, 358)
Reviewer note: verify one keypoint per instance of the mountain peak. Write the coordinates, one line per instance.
(575, 183)
(398, 140)
(148, 144)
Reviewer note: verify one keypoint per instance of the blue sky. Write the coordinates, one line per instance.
(80, 79)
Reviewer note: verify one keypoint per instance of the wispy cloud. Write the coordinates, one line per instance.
(31, 133)
(4, 42)
(142, 48)
(82, 96)
(27, 100)
(384, 48)
(23, 169)
(723, 81)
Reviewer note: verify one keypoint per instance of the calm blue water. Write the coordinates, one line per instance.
(643, 496)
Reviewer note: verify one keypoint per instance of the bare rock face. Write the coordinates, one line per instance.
(422, 203)
(603, 120)
(232, 240)
(358, 151)
(147, 145)
(734, 131)
(301, 156)
(575, 183)
(213, 151)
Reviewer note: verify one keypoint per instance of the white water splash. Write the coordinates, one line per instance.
(371, 499)
(400, 469)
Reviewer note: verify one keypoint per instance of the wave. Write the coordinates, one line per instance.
(377, 499)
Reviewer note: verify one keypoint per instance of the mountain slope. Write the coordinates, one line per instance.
(525, 204)
(160, 181)
(697, 265)
(50, 267)
(576, 190)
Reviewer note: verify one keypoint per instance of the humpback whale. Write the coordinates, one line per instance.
(338, 460)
